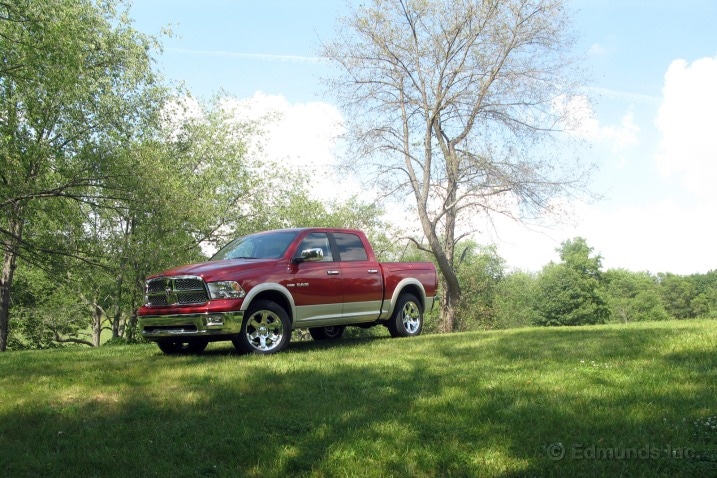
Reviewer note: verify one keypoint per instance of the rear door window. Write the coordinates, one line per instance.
(350, 247)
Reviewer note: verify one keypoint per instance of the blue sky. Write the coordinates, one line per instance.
(651, 126)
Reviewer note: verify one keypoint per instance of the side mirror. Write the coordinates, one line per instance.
(310, 255)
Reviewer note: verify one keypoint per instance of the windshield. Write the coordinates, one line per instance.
(266, 245)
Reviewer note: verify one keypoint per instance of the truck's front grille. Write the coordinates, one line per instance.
(182, 290)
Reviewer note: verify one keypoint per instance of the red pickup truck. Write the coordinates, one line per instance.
(260, 287)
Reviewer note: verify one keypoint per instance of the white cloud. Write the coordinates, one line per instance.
(674, 232)
(300, 135)
(596, 49)
(661, 237)
(580, 120)
(686, 120)
(626, 133)
(666, 236)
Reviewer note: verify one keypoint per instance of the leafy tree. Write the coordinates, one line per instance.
(47, 311)
(571, 292)
(515, 300)
(678, 292)
(449, 103)
(76, 81)
(633, 296)
(480, 271)
(705, 302)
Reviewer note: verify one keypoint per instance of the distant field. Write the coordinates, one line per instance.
(618, 400)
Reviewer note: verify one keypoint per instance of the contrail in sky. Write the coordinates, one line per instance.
(249, 56)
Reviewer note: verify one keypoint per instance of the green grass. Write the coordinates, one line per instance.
(635, 400)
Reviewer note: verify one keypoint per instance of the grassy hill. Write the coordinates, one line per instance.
(627, 400)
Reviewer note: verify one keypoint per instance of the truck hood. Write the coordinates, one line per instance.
(212, 271)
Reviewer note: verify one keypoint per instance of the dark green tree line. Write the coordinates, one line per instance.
(576, 291)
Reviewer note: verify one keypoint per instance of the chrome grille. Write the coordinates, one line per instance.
(182, 290)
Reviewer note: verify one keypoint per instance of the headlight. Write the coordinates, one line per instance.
(225, 290)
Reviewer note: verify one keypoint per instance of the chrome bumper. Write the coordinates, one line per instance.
(191, 325)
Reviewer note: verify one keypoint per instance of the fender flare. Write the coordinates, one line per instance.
(270, 287)
(400, 287)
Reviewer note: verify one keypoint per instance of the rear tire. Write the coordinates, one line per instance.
(407, 318)
(266, 329)
(185, 347)
(333, 332)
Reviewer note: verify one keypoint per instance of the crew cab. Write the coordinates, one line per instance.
(260, 287)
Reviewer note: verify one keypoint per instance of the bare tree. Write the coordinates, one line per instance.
(453, 101)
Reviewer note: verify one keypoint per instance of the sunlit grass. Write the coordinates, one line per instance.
(476, 404)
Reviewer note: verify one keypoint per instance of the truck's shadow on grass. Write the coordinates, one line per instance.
(300, 346)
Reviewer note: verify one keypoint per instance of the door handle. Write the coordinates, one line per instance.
(373, 271)
(332, 272)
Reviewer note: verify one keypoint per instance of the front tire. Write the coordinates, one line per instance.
(407, 318)
(266, 329)
(186, 347)
(327, 333)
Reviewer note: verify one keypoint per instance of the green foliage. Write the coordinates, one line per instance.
(677, 294)
(571, 292)
(44, 309)
(515, 301)
(686, 297)
(704, 304)
(106, 178)
(480, 272)
(634, 296)
(76, 84)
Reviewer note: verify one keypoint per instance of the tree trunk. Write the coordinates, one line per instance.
(449, 308)
(449, 279)
(129, 330)
(117, 308)
(8, 271)
(97, 316)
(5, 287)
(451, 290)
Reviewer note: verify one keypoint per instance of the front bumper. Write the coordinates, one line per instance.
(205, 325)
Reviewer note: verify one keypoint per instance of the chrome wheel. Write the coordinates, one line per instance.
(407, 318)
(411, 317)
(264, 330)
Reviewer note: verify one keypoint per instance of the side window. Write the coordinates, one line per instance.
(316, 240)
(350, 247)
